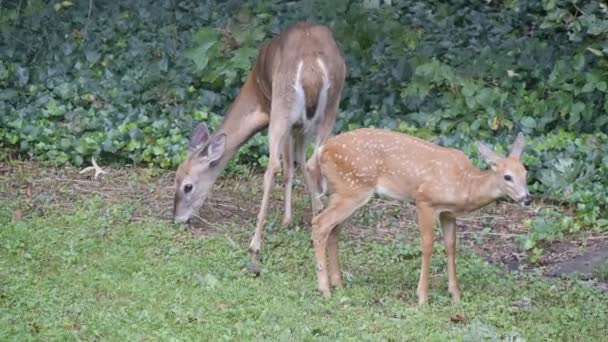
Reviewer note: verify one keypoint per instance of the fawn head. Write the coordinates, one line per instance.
(196, 175)
(510, 173)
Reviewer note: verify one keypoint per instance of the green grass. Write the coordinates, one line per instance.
(601, 271)
(94, 274)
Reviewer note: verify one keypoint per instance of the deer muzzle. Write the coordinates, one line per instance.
(526, 200)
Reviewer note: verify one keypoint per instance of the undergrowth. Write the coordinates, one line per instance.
(126, 82)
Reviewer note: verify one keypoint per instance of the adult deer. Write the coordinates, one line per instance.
(293, 89)
(442, 181)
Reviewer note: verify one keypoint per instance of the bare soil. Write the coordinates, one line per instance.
(495, 232)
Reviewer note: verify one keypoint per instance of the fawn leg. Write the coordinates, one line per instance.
(338, 209)
(335, 275)
(448, 224)
(425, 221)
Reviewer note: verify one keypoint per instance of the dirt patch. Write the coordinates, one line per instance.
(495, 232)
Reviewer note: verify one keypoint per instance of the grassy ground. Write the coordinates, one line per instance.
(79, 261)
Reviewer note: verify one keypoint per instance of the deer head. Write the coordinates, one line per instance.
(196, 175)
(510, 173)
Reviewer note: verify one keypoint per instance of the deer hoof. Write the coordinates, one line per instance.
(286, 222)
(253, 267)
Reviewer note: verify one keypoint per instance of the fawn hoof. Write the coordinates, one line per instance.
(454, 291)
(422, 299)
(325, 293)
(286, 222)
(336, 283)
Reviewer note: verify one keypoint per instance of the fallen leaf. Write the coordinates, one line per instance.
(71, 326)
(28, 191)
(98, 170)
(458, 318)
(524, 302)
(512, 73)
(17, 215)
(20, 172)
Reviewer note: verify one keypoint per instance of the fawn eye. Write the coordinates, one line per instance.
(187, 188)
(508, 178)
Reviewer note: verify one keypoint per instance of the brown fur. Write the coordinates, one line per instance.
(269, 99)
(441, 181)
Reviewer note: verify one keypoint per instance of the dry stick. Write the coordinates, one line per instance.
(86, 25)
(209, 223)
(497, 234)
(475, 218)
(226, 205)
(162, 212)
(18, 11)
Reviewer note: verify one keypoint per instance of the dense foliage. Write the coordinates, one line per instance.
(125, 81)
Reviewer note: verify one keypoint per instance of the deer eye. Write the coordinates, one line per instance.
(508, 178)
(187, 188)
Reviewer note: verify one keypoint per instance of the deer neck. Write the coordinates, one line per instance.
(482, 189)
(247, 115)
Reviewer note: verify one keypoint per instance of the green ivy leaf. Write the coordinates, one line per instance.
(206, 40)
(528, 122)
(579, 62)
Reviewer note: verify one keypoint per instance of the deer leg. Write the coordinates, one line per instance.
(329, 120)
(288, 173)
(448, 224)
(300, 152)
(335, 275)
(425, 221)
(338, 209)
(276, 137)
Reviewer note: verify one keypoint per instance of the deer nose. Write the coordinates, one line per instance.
(181, 219)
(526, 200)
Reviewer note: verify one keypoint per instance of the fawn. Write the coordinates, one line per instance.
(442, 181)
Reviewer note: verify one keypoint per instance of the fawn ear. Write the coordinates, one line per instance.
(216, 147)
(518, 146)
(488, 154)
(198, 137)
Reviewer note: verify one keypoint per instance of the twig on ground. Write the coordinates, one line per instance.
(208, 223)
(489, 233)
(477, 218)
(84, 31)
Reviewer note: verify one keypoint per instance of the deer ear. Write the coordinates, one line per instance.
(216, 147)
(518, 146)
(488, 154)
(199, 137)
